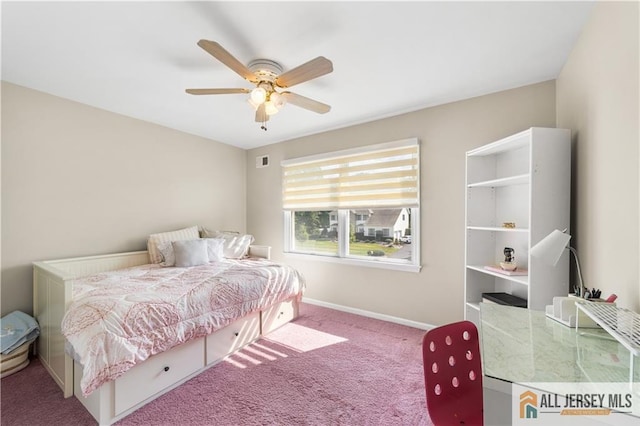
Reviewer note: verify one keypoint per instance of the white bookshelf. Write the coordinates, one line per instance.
(524, 179)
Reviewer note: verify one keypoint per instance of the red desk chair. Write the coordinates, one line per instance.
(453, 374)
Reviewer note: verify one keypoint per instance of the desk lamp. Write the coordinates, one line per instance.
(550, 249)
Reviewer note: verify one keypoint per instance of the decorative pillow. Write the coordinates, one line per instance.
(215, 248)
(207, 233)
(190, 252)
(236, 245)
(154, 239)
(166, 250)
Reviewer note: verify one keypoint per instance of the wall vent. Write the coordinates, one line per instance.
(262, 161)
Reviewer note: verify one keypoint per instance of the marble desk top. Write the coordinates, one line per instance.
(522, 345)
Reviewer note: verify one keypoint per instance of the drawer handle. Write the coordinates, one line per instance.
(236, 334)
(166, 368)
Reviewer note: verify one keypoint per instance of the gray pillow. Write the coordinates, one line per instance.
(190, 252)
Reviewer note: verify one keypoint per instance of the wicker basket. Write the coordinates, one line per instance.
(15, 361)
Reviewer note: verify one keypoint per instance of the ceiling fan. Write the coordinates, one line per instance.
(267, 97)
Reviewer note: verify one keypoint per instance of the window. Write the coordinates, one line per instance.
(313, 233)
(355, 205)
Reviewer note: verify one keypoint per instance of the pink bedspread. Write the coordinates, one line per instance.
(120, 318)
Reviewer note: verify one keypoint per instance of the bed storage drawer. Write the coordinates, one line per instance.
(233, 337)
(278, 315)
(157, 373)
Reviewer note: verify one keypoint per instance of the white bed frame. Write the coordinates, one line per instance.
(52, 291)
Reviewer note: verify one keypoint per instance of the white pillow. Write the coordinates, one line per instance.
(236, 245)
(190, 252)
(215, 249)
(181, 234)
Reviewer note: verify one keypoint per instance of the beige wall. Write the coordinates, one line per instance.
(597, 97)
(78, 181)
(435, 295)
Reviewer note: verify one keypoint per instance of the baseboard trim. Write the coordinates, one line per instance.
(374, 315)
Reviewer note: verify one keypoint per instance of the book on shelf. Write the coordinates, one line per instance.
(499, 270)
(504, 299)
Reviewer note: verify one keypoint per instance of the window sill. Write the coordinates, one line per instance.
(405, 267)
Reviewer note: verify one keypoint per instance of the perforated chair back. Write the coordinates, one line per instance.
(453, 374)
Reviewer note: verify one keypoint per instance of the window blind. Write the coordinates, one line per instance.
(384, 175)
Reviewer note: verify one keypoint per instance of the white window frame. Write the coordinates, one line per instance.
(343, 246)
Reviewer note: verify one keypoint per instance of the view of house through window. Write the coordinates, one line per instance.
(373, 233)
(359, 203)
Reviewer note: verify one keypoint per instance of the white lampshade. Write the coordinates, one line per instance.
(258, 95)
(551, 247)
(278, 100)
(270, 108)
(253, 104)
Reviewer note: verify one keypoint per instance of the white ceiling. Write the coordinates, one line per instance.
(136, 58)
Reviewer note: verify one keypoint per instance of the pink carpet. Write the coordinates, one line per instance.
(325, 368)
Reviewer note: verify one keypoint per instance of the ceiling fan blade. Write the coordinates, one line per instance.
(218, 52)
(306, 103)
(216, 91)
(261, 114)
(305, 72)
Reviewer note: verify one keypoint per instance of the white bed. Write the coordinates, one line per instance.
(113, 400)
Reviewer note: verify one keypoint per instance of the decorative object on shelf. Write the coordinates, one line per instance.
(508, 254)
(509, 263)
(508, 266)
(509, 225)
(550, 249)
(500, 270)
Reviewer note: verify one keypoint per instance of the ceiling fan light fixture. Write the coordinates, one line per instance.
(258, 96)
(270, 108)
(253, 104)
(278, 100)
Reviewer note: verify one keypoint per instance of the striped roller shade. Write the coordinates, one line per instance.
(385, 175)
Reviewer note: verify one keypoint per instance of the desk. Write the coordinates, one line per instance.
(524, 346)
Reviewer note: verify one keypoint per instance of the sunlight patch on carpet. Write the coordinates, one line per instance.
(234, 362)
(302, 339)
(267, 349)
(248, 358)
(253, 350)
